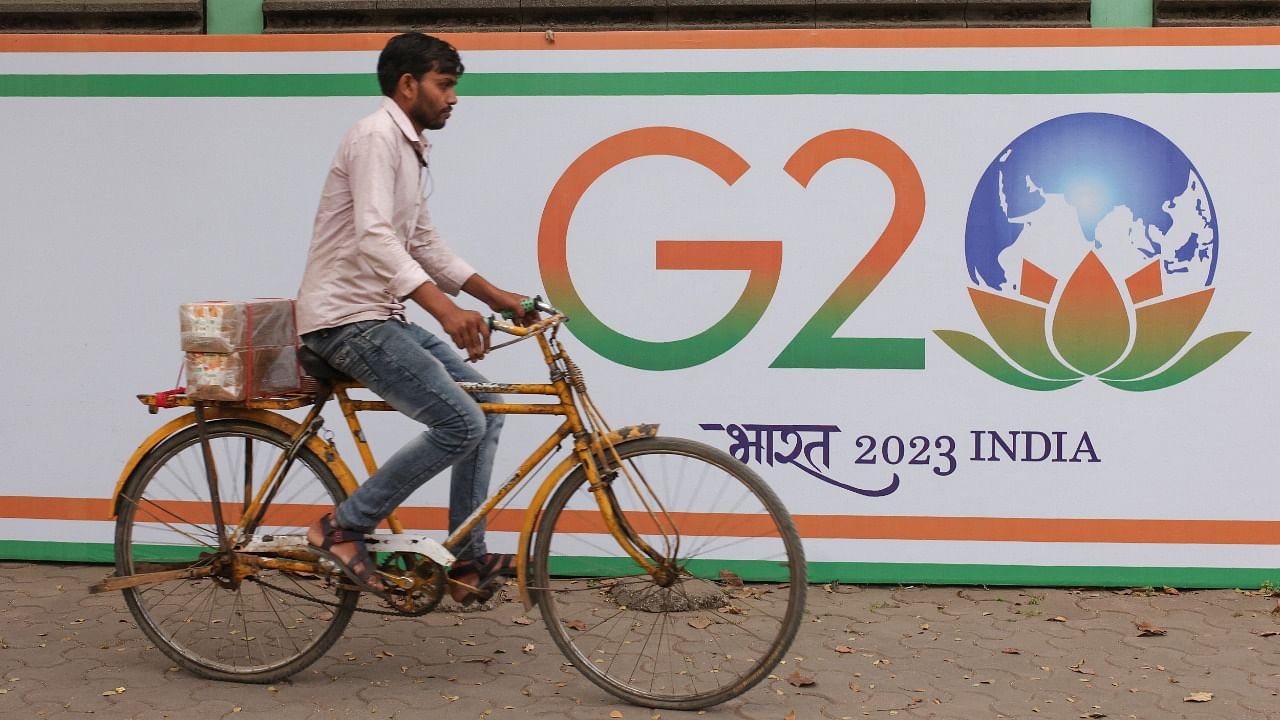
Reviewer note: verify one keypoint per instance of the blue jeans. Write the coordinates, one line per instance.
(417, 374)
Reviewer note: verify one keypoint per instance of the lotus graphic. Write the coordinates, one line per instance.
(1082, 196)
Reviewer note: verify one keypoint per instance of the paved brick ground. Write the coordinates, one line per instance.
(917, 652)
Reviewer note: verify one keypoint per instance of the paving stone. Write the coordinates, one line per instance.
(66, 648)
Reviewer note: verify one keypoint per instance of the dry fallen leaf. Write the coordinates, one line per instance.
(1146, 629)
(1081, 668)
(1056, 618)
(1269, 633)
(791, 715)
(527, 649)
(1011, 651)
(1094, 714)
(730, 578)
(615, 713)
(799, 680)
(1198, 697)
(1170, 591)
(701, 622)
(522, 620)
(575, 625)
(844, 649)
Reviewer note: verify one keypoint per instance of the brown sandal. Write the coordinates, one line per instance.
(492, 569)
(360, 569)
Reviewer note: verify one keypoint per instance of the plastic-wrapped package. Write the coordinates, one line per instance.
(223, 327)
(249, 373)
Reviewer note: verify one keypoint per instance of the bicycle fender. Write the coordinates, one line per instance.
(275, 420)
(539, 500)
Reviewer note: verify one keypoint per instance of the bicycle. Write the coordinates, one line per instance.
(665, 570)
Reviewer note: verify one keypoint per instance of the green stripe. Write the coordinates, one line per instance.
(1015, 82)
(57, 551)
(825, 572)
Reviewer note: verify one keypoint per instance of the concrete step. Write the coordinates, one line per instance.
(1185, 13)
(102, 16)
(286, 16)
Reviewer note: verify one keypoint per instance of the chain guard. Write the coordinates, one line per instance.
(426, 594)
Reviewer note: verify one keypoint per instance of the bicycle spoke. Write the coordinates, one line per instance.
(693, 640)
(250, 631)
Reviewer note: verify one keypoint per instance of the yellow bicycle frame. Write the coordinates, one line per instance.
(587, 446)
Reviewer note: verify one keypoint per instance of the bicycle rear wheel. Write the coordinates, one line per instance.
(737, 595)
(264, 627)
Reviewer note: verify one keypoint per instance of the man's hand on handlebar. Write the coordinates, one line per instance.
(518, 308)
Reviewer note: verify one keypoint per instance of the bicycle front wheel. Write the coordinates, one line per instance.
(724, 615)
(261, 628)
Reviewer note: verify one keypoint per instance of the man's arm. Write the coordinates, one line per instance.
(497, 299)
(467, 328)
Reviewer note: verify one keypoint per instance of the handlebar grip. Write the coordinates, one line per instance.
(528, 304)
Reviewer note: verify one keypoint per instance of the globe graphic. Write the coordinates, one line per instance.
(1091, 182)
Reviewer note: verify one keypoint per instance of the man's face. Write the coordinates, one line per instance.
(430, 99)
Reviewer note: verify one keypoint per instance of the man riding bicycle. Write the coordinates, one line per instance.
(373, 247)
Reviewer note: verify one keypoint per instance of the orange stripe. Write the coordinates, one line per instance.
(665, 40)
(841, 527)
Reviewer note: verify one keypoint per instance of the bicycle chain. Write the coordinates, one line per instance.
(320, 601)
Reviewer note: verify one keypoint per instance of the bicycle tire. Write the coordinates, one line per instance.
(649, 645)
(246, 632)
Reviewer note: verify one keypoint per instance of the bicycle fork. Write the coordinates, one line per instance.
(660, 565)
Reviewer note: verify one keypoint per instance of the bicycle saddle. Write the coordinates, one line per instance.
(316, 366)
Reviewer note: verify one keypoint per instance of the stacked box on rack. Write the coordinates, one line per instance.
(240, 350)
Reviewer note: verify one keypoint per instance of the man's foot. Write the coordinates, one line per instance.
(346, 549)
(476, 580)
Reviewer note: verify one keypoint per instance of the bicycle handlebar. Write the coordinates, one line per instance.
(531, 304)
(554, 317)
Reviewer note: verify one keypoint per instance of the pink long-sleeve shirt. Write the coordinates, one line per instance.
(373, 242)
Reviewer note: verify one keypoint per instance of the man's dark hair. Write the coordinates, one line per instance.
(416, 54)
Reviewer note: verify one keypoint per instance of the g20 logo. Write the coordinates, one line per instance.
(1078, 196)
(815, 345)
(1084, 196)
